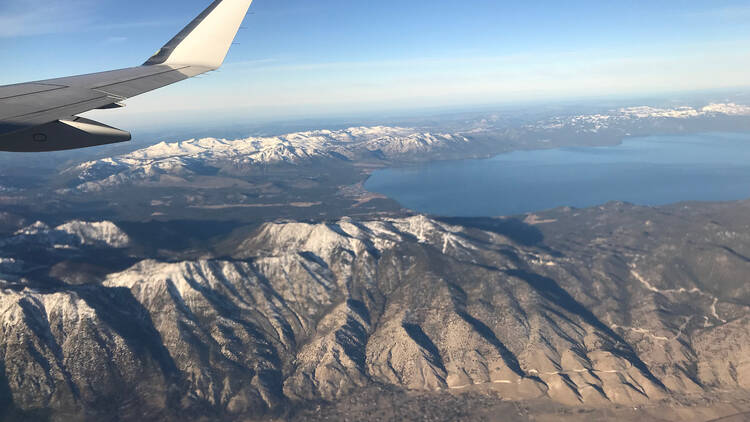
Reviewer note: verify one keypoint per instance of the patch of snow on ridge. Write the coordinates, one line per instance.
(595, 122)
(646, 112)
(730, 109)
(71, 235)
(32, 230)
(103, 232)
(357, 237)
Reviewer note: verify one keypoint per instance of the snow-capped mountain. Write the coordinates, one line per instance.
(70, 235)
(188, 157)
(300, 313)
(96, 233)
(596, 122)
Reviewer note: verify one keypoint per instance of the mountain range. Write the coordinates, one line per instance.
(257, 279)
(378, 144)
(632, 311)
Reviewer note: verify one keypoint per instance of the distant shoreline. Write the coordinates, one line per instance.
(411, 185)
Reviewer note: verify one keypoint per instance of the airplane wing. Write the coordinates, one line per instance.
(42, 116)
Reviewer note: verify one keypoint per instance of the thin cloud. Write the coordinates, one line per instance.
(731, 13)
(22, 18)
(131, 25)
(521, 61)
(280, 65)
(114, 40)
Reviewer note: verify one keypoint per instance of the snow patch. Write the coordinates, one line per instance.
(97, 233)
(70, 235)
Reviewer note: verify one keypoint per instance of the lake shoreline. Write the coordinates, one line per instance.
(705, 146)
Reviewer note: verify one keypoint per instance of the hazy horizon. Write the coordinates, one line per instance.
(294, 59)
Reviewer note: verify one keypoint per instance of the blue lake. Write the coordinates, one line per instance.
(653, 170)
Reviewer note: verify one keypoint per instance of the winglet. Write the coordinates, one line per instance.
(206, 40)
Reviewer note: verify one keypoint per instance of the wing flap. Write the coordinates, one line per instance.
(73, 133)
(70, 108)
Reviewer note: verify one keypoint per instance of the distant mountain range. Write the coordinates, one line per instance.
(628, 115)
(191, 157)
(379, 144)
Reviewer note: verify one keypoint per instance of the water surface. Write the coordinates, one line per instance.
(653, 170)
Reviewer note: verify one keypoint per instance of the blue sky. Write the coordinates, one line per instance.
(312, 58)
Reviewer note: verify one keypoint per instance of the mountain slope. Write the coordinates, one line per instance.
(307, 312)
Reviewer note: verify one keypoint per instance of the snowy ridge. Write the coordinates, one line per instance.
(103, 232)
(595, 122)
(357, 237)
(186, 157)
(298, 313)
(70, 235)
